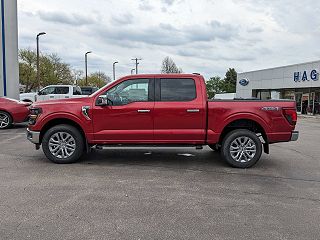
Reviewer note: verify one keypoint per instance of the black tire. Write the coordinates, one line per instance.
(215, 147)
(78, 142)
(235, 135)
(8, 123)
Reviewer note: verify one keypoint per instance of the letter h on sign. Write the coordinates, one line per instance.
(296, 76)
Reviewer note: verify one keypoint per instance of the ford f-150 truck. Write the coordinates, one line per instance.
(161, 110)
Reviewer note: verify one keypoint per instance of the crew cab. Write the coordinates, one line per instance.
(52, 92)
(161, 110)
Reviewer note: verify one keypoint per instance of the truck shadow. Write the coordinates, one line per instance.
(164, 157)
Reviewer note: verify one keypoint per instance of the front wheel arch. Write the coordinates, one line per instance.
(65, 121)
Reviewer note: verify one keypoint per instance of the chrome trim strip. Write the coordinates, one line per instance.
(193, 110)
(143, 111)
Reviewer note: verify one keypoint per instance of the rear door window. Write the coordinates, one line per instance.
(177, 90)
(61, 90)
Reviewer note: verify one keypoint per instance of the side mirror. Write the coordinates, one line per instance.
(102, 102)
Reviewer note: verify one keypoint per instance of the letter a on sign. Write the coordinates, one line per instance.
(304, 76)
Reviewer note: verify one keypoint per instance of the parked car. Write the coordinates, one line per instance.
(52, 92)
(88, 90)
(167, 109)
(12, 111)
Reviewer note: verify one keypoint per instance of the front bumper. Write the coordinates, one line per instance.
(33, 137)
(294, 136)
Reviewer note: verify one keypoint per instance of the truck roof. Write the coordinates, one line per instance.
(170, 75)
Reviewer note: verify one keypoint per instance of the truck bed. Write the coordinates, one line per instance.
(268, 114)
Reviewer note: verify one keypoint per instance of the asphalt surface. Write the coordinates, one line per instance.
(160, 193)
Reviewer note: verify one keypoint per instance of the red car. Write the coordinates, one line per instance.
(12, 111)
(163, 109)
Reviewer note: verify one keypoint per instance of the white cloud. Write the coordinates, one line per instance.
(203, 36)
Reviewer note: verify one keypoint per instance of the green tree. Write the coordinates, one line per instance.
(27, 69)
(230, 81)
(169, 66)
(52, 70)
(214, 86)
(96, 79)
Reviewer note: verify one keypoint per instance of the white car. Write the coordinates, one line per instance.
(53, 92)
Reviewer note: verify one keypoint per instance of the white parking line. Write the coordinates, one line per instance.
(2, 134)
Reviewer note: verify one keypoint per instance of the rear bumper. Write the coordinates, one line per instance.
(33, 137)
(294, 136)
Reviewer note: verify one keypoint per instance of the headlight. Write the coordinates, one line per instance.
(34, 114)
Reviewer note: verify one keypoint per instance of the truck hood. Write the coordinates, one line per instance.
(61, 102)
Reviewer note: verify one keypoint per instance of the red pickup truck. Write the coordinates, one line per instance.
(161, 110)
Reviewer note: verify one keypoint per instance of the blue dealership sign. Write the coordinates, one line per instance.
(305, 76)
(244, 82)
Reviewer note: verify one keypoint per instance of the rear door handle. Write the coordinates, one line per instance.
(193, 110)
(143, 111)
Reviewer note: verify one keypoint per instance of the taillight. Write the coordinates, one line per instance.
(291, 115)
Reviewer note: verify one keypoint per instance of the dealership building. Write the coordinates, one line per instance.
(9, 68)
(299, 82)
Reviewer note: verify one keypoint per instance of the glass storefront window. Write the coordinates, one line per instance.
(316, 103)
(298, 99)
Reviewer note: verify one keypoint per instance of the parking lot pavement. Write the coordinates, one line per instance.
(160, 193)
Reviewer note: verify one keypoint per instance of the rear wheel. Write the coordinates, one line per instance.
(63, 144)
(5, 120)
(241, 148)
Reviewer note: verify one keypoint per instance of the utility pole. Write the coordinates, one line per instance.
(86, 65)
(38, 59)
(137, 63)
(114, 70)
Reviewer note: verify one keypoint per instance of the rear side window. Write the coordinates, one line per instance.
(177, 90)
(61, 90)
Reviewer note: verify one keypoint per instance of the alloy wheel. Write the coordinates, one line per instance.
(62, 145)
(4, 120)
(243, 149)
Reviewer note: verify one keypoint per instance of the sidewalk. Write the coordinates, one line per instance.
(309, 116)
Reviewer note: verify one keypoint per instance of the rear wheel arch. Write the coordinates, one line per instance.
(244, 123)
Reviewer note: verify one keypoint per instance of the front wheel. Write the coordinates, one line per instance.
(5, 120)
(241, 148)
(63, 144)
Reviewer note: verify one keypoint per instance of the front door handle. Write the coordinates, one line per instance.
(193, 110)
(143, 111)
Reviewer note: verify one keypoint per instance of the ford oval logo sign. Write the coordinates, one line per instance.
(244, 82)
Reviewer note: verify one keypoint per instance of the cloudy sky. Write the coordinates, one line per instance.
(205, 36)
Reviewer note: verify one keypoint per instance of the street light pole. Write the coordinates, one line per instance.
(132, 70)
(38, 59)
(114, 70)
(86, 65)
(137, 63)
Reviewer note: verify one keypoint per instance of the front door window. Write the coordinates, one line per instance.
(129, 91)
